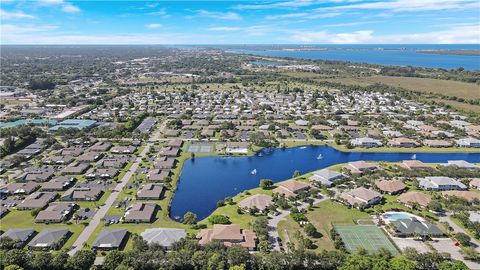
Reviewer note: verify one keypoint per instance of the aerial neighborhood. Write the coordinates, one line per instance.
(156, 153)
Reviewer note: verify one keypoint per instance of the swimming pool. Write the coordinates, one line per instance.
(396, 216)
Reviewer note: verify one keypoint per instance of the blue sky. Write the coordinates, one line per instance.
(240, 22)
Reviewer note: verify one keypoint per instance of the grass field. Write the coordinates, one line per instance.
(369, 237)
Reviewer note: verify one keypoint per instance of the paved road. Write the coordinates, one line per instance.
(100, 214)
(457, 228)
(273, 222)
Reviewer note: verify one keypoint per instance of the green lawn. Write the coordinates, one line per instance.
(23, 219)
(422, 149)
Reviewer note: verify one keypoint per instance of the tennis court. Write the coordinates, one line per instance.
(369, 237)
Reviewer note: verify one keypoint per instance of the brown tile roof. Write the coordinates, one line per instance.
(229, 235)
(467, 195)
(259, 201)
(415, 197)
(390, 186)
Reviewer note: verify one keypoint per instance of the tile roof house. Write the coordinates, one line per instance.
(76, 168)
(150, 191)
(140, 212)
(20, 236)
(326, 177)
(41, 175)
(361, 197)
(164, 237)
(50, 238)
(437, 143)
(90, 156)
(82, 194)
(101, 147)
(157, 175)
(414, 197)
(475, 183)
(403, 142)
(37, 200)
(58, 183)
(229, 235)
(109, 239)
(391, 186)
(164, 163)
(415, 164)
(257, 201)
(460, 164)
(123, 149)
(440, 183)
(357, 167)
(464, 194)
(20, 188)
(291, 188)
(55, 213)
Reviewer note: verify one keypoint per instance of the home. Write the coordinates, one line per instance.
(468, 142)
(157, 175)
(164, 237)
(58, 160)
(76, 168)
(164, 163)
(460, 164)
(440, 183)
(229, 235)
(37, 200)
(366, 142)
(82, 194)
(55, 213)
(403, 142)
(169, 151)
(150, 192)
(140, 212)
(391, 187)
(20, 236)
(110, 239)
(412, 198)
(358, 167)
(475, 183)
(469, 196)
(16, 188)
(291, 188)
(58, 183)
(123, 149)
(258, 202)
(414, 164)
(361, 197)
(90, 156)
(437, 143)
(236, 148)
(177, 143)
(40, 175)
(414, 227)
(326, 177)
(101, 147)
(50, 238)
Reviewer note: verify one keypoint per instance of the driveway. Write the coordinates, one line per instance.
(100, 214)
(448, 246)
(457, 228)
(273, 222)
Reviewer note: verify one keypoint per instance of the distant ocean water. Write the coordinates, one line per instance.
(395, 55)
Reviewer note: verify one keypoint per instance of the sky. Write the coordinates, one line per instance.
(240, 22)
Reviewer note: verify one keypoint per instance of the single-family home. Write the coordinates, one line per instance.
(361, 197)
(326, 177)
(164, 237)
(291, 188)
(110, 239)
(258, 201)
(229, 235)
(440, 183)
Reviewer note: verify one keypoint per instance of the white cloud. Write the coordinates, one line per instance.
(161, 12)
(224, 28)
(304, 15)
(467, 34)
(219, 15)
(11, 29)
(69, 8)
(64, 6)
(153, 25)
(410, 5)
(279, 5)
(6, 15)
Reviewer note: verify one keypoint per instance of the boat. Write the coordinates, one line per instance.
(253, 172)
(414, 156)
(320, 156)
(260, 154)
(303, 147)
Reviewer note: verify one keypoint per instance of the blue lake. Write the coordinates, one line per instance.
(397, 55)
(206, 180)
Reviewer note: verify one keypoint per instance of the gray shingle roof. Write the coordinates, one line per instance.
(110, 238)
